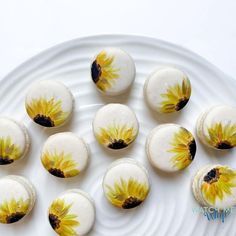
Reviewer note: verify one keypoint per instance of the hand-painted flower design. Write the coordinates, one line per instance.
(103, 72)
(218, 182)
(9, 152)
(116, 137)
(13, 210)
(59, 164)
(184, 148)
(127, 194)
(222, 136)
(60, 219)
(45, 112)
(176, 97)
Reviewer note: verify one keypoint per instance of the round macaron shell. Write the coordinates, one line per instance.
(64, 155)
(17, 197)
(167, 90)
(218, 119)
(115, 126)
(113, 71)
(14, 141)
(81, 212)
(170, 147)
(224, 184)
(49, 103)
(121, 180)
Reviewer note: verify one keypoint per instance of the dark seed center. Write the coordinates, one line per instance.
(14, 217)
(182, 102)
(54, 221)
(212, 176)
(118, 144)
(131, 202)
(96, 71)
(192, 148)
(44, 121)
(224, 145)
(5, 160)
(57, 172)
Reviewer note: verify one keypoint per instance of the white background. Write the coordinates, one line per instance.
(205, 26)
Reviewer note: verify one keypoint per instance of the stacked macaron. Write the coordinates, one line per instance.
(215, 186)
(216, 127)
(170, 147)
(72, 213)
(17, 198)
(126, 184)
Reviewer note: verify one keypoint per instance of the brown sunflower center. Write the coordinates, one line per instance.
(96, 71)
(118, 144)
(5, 160)
(192, 149)
(182, 102)
(44, 120)
(14, 217)
(57, 172)
(131, 202)
(224, 144)
(54, 221)
(212, 176)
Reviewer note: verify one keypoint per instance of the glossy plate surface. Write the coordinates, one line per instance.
(169, 208)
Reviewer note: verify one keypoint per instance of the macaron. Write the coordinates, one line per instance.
(49, 103)
(64, 155)
(17, 198)
(126, 183)
(167, 90)
(215, 186)
(14, 141)
(216, 127)
(72, 213)
(115, 126)
(170, 147)
(113, 71)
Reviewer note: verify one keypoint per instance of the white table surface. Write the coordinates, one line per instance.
(205, 26)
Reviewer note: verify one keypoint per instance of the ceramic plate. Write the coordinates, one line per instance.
(169, 208)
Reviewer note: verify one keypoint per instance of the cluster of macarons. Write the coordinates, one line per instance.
(169, 147)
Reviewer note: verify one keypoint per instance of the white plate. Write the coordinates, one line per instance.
(168, 209)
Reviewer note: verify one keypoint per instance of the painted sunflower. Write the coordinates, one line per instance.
(45, 112)
(176, 97)
(60, 219)
(59, 164)
(116, 137)
(218, 182)
(127, 194)
(184, 148)
(12, 211)
(9, 152)
(222, 136)
(103, 73)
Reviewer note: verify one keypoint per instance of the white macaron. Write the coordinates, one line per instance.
(115, 126)
(170, 147)
(49, 103)
(167, 90)
(216, 127)
(215, 186)
(64, 155)
(72, 213)
(17, 198)
(14, 140)
(113, 71)
(126, 183)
